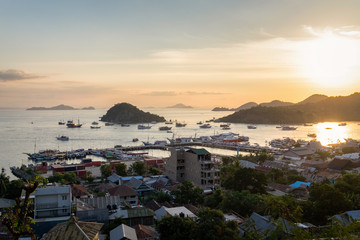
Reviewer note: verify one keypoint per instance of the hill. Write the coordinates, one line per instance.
(341, 108)
(276, 103)
(244, 106)
(127, 113)
(313, 99)
(180, 105)
(60, 107)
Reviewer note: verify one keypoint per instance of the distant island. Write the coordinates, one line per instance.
(127, 113)
(316, 108)
(61, 107)
(180, 105)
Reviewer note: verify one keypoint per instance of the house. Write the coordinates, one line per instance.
(52, 203)
(114, 178)
(104, 187)
(298, 153)
(347, 217)
(179, 211)
(154, 162)
(146, 232)
(154, 205)
(123, 232)
(299, 184)
(74, 229)
(126, 194)
(134, 215)
(142, 188)
(78, 190)
(194, 165)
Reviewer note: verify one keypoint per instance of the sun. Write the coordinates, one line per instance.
(329, 60)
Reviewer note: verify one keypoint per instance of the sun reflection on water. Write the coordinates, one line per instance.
(330, 133)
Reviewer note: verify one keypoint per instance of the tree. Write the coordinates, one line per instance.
(349, 150)
(14, 189)
(18, 220)
(176, 228)
(105, 170)
(211, 225)
(323, 154)
(138, 168)
(188, 193)
(4, 182)
(154, 171)
(120, 169)
(285, 207)
(214, 200)
(243, 203)
(235, 177)
(89, 177)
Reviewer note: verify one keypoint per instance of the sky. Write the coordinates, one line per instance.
(203, 53)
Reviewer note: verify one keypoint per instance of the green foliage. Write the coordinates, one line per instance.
(121, 169)
(285, 207)
(154, 171)
(235, 177)
(163, 197)
(211, 225)
(138, 168)
(88, 177)
(64, 178)
(188, 193)
(350, 150)
(105, 170)
(323, 154)
(243, 203)
(14, 189)
(214, 200)
(4, 184)
(176, 228)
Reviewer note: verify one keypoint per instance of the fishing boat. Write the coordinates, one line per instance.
(169, 122)
(140, 126)
(63, 138)
(199, 123)
(95, 127)
(71, 124)
(180, 124)
(225, 125)
(288, 128)
(60, 122)
(251, 127)
(164, 128)
(125, 125)
(206, 125)
(135, 140)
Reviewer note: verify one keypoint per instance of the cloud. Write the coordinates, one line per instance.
(172, 93)
(13, 75)
(346, 31)
(204, 93)
(160, 93)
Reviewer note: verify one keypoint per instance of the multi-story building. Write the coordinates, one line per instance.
(52, 202)
(194, 165)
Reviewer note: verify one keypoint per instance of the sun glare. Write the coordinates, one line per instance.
(329, 60)
(331, 133)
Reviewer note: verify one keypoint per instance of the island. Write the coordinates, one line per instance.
(127, 113)
(180, 105)
(60, 107)
(313, 109)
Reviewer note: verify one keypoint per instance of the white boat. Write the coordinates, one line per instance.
(63, 138)
(140, 126)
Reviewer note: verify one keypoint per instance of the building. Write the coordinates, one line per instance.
(194, 165)
(123, 232)
(174, 211)
(52, 202)
(298, 153)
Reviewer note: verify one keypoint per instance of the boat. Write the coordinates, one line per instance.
(159, 142)
(125, 125)
(109, 124)
(342, 124)
(308, 124)
(288, 128)
(63, 138)
(71, 124)
(164, 128)
(199, 123)
(60, 123)
(140, 126)
(313, 135)
(95, 127)
(206, 125)
(180, 124)
(135, 140)
(153, 122)
(236, 139)
(169, 122)
(169, 131)
(225, 125)
(251, 127)
(328, 128)
(95, 123)
(278, 126)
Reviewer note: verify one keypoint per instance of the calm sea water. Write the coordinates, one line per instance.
(24, 131)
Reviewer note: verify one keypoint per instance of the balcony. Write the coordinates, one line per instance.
(47, 206)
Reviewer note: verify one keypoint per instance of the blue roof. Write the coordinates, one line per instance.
(298, 183)
(128, 178)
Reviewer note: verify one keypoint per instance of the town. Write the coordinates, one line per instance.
(290, 190)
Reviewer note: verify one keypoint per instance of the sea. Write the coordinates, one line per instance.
(28, 131)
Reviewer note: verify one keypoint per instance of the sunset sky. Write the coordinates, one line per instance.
(203, 53)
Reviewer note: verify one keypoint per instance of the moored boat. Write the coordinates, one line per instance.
(288, 128)
(313, 135)
(63, 138)
(95, 123)
(61, 122)
(109, 124)
(71, 124)
(140, 126)
(206, 125)
(180, 124)
(251, 127)
(342, 124)
(95, 127)
(164, 128)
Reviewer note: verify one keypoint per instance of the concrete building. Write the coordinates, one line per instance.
(193, 165)
(52, 202)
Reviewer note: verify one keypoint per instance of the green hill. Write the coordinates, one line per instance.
(341, 108)
(127, 113)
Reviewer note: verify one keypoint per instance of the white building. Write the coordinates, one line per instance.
(52, 203)
(175, 211)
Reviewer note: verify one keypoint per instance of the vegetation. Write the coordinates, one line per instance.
(121, 169)
(105, 170)
(188, 193)
(64, 178)
(138, 168)
(342, 108)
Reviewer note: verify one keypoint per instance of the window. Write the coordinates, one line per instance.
(64, 210)
(64, 197)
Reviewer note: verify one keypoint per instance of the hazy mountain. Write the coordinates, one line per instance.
(246, 106)
(60, 107)
(341, 108)
(127, 113)
(276, 103)
(313, 99)
(179, 105)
